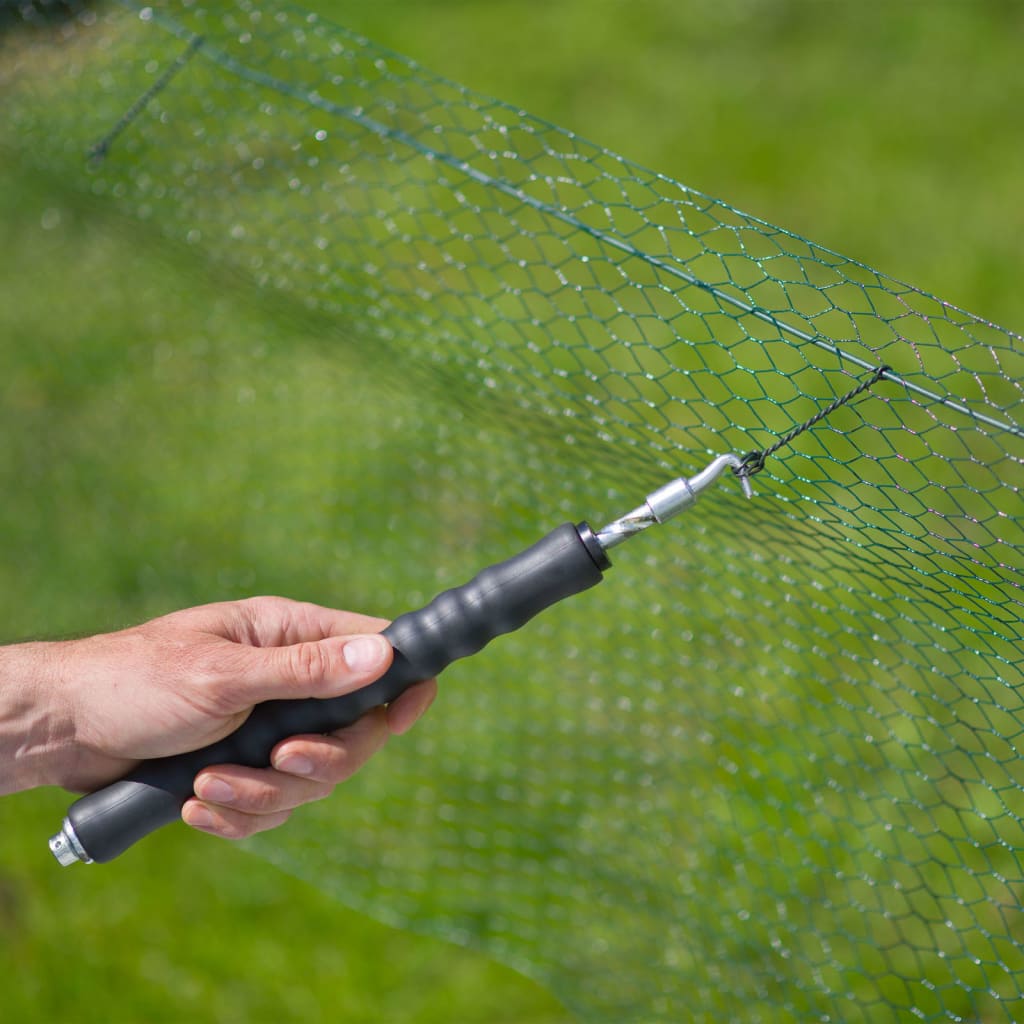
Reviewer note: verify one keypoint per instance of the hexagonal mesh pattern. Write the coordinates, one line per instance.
(770, 770)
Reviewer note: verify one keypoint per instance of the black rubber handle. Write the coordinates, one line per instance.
(454, 625)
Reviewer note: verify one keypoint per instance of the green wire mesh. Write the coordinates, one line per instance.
(769, 771)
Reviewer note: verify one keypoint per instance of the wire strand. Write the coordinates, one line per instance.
(753, 462)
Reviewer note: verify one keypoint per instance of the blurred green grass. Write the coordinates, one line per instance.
(842, 123)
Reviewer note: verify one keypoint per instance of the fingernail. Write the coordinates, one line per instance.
(365, 653)
(217, 791)
(295, 765)
(198, 816)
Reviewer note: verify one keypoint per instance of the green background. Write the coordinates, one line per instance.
(889, 132)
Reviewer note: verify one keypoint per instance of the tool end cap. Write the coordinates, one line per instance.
(66, 848)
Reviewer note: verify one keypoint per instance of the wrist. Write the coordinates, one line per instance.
(35, 727)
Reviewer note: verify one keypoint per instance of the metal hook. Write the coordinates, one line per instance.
(708, 476)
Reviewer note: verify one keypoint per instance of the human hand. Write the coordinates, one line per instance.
(184, 680)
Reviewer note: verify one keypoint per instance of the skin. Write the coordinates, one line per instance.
(82, 713)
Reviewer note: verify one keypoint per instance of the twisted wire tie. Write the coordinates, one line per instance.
(753, 462)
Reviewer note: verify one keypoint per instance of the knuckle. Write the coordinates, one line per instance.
(309, 663)
(259, 605)
(262, 799)
(269, 822)
(337, 766)
(321, 755)
(324, 792)
(319, 792)
(242, 826)
(256, 611)
(234, 830)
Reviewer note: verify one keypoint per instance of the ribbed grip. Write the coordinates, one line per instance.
(455, 624)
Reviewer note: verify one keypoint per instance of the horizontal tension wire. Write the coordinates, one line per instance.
(753, 462)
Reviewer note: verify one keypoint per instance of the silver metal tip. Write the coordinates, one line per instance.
(66, 847)
(61, 849)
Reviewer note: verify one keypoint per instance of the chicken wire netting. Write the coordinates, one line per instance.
(769, 771)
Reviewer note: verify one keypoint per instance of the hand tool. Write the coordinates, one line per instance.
(455, 624)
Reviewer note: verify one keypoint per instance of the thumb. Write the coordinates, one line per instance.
(316, 668)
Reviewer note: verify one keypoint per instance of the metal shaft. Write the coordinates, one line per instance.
(670, 500)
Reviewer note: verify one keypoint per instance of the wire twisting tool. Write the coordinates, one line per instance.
(455, 624)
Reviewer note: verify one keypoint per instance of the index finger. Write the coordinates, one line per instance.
(278, 621)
